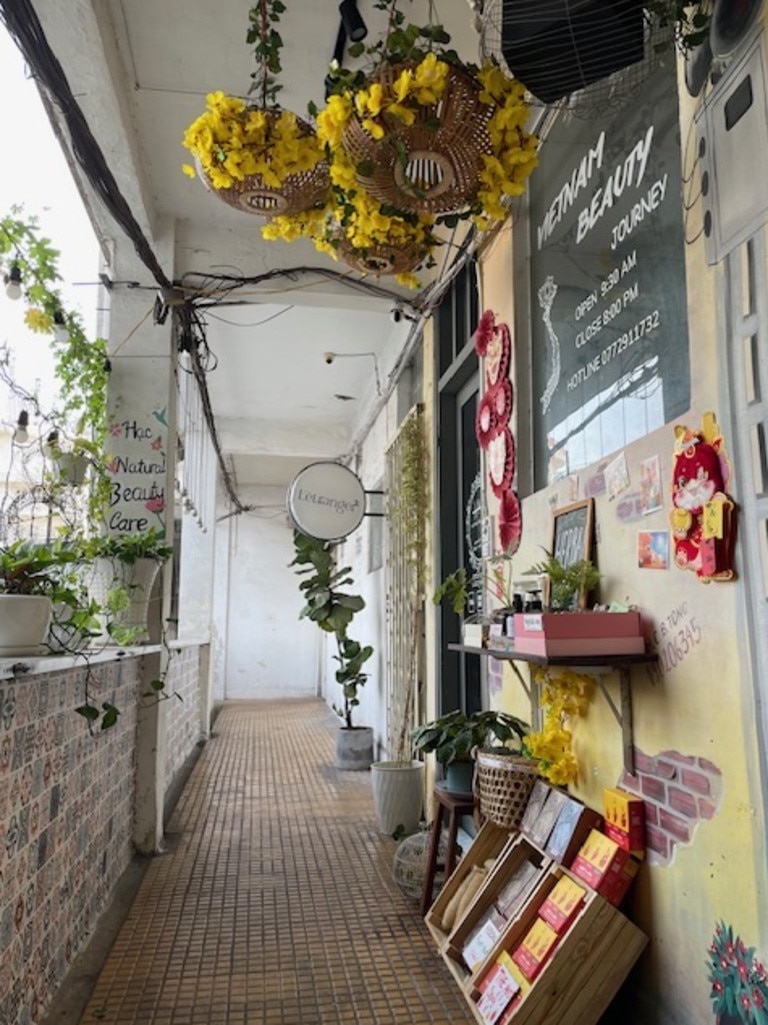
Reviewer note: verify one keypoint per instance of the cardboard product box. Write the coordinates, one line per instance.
(563, 903)
(572, 827)
(497, 989)
(474, 635)
(543, 826)
(625, 820)
(533, 808)
(605, 867)
(482, 939)
(515, 891)
(538, 944)
(579, 633)
(505, 959)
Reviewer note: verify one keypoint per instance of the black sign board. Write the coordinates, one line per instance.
(608, 302)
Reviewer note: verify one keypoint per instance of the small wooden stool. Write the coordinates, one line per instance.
(456, 805)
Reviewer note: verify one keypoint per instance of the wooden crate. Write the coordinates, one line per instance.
(490, 842)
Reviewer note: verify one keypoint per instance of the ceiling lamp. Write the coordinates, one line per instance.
(556, 47)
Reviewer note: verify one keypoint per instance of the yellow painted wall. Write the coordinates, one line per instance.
(701, 707)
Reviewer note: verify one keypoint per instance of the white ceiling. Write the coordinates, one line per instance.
(140, 70)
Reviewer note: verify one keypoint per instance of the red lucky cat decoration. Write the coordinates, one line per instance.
(704, 516)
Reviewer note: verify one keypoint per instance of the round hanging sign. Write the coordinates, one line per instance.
(326, 501)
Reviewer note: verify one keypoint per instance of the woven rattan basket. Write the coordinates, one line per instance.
(382, 259)
(503, 784)
(298, 192)
(444, 146)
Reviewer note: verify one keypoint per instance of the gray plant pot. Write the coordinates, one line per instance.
(354, 748)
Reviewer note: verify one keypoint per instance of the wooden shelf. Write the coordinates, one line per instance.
(592, 958)
(618, 663)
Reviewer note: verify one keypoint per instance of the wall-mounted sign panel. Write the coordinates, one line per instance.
(608, 302)
(326, 501)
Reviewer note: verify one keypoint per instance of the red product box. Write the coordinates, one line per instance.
(536, 947)
(563, 903)
(605, 867)
(496, 990)
(625, 820)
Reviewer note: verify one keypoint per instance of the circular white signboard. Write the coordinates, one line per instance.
(326, 501)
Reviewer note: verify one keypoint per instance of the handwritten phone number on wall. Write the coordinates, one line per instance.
(643, 327)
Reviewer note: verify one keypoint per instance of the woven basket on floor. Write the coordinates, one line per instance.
(298, 192)
(503, 784)
(443, 148)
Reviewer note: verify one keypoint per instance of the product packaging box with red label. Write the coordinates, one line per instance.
(579, 633)
(605, 866)
(625, 820)
(536, 947)
(563, 903)
(497, 989)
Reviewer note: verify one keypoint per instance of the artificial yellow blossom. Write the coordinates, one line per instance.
(233, 142)
(564, 694)
(333, 119)
(402, 84)
(38, 320)
(429, 80)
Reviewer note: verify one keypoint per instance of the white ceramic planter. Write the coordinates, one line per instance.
(138, 579)
(24, 620)
(398, 796)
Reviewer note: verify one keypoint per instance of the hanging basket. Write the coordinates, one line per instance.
(298, 192)
(503, 784)
(382, 259)
(432, 166)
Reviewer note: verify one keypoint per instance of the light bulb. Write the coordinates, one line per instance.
(60, 328)
(21, 434)
(13, 282)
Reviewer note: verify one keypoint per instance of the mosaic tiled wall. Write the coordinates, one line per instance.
(66, 810)
(183, 724)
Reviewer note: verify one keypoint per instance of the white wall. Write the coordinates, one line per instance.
(269, 652)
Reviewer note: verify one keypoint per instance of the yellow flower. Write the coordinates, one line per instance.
(38, 320)
(402, 84)
(189, 170)
(374, 129)
(429, 79)
(403, 114)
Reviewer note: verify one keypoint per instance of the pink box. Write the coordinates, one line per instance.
(579, 633)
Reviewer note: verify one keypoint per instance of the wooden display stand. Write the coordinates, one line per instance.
(585, 970)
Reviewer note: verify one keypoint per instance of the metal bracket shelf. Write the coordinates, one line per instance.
(622, 664)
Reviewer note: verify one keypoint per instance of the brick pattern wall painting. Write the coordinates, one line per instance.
(66, 813)
(679, 791)
(183, 723)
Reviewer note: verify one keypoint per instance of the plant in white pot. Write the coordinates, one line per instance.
(333, 610)
(125, 567)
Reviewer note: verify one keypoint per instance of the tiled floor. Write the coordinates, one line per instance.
(275, 904)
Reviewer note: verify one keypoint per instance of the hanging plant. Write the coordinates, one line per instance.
(429, 133)
(258, 157)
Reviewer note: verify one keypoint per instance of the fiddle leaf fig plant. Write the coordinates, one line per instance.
(333, 610)
(454, 736)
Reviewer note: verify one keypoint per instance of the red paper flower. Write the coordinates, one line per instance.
(501, 397)
(510, 522)
(498, 354)
(486, 426)
(501, 461)
(484, 332)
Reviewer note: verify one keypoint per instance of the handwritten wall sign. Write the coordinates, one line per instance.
(608, 301)
(326, 501)
(138, 472)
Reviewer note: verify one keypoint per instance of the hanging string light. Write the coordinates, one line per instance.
(13, 282)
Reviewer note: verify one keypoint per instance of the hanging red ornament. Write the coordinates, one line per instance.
(510, 522)
(501, 462)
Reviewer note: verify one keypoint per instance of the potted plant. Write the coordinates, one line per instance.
(739, 980)
(565, 585)
(333, 609)
(124, 570)
(454, 737)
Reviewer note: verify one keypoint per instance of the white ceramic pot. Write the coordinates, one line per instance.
(138, 579)
(398, 796)
(24, 620)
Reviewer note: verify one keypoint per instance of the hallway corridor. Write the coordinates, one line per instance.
(274, 903)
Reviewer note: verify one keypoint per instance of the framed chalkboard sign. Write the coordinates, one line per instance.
(573, 535)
